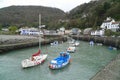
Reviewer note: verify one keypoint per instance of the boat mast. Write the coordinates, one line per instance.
(39, 28)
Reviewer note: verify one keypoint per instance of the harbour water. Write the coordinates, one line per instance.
(86, 62)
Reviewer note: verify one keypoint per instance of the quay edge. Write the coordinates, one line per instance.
(108, 41)
(9, 47)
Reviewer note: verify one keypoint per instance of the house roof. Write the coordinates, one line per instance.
(117, 22)
(105, 21)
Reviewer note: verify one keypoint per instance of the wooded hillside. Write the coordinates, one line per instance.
(28, 15)
(93, 13)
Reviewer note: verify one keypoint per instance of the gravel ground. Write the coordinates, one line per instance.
(110, 72)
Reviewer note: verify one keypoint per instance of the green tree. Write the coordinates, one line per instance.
(109, 32)
(106, 6)
(114, 12)
(13, 29)
(99, 10)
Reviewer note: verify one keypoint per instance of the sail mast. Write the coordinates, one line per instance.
(39, 28)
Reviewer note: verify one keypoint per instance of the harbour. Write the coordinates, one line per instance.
(67, 40)
(86, 62)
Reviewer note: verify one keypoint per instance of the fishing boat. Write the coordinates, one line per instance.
(61, 61)
(36, 58)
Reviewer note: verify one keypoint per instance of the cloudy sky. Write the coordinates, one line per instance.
(65, 5)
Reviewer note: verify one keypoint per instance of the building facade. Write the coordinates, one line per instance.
(97, 33)
(111, 24)
(29, 31)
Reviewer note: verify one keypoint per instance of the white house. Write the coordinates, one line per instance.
(110, 23)
(97, 33)
(61, 31)
(29, 31)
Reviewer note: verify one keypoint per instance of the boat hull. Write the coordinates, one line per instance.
(71, 49)
(58, 67)
(29, 63)
(60, 62)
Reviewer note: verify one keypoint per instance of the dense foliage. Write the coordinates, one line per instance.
(28, 16)
(93, 13)
(86, 15)
(111, 33)
(13, 29)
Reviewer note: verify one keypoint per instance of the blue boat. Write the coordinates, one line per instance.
(60, 61)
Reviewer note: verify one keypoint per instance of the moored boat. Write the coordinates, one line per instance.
(91, 43)
(36, 59)
(61, 61)
(71, 49)
(71, 41)
(55, 43)
(76, 43)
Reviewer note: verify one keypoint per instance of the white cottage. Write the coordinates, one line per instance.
(61, 31)
(29, 31)
(110, 23)
(97, 33)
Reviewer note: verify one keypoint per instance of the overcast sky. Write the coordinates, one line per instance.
(65, 5)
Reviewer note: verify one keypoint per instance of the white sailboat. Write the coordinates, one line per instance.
(76, 43)
(36, 58)
(71, 47)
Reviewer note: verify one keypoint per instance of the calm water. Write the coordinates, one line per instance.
(86, 62)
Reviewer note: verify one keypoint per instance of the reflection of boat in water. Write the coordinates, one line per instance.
(36, 58)
(61, 61)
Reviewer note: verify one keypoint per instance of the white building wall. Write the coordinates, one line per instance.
(110, 24)
(97, 33)
(29, 31)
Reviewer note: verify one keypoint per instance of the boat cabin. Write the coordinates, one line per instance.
(64, 54)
